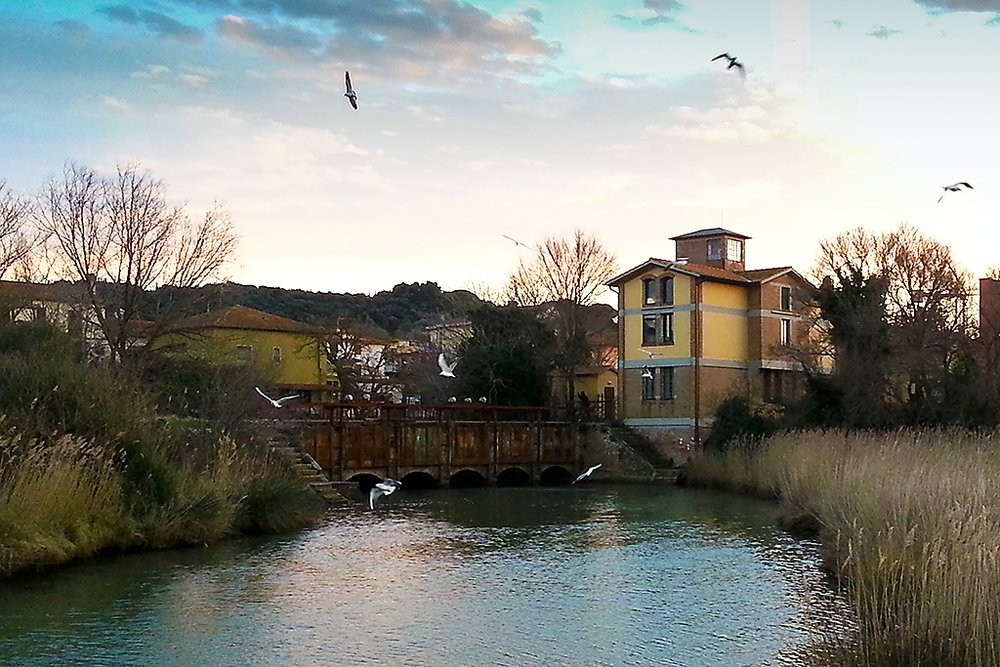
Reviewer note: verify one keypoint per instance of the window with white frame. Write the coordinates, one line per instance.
(786, 331)
(734, 250)
(786, 297)
(276, 355)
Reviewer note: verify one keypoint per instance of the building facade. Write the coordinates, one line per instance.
(290, 355)
(697, 329)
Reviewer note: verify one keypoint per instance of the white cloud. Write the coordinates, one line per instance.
(116, 103)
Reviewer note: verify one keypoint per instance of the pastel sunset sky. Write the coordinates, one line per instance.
(519, 117)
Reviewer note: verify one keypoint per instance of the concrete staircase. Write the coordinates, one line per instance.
(664, 469)
(309, 472)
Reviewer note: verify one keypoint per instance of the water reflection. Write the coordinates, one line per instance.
(597, 575)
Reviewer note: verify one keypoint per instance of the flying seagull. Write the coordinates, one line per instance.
(733, 62)
(646, 352)
(447, 370)
(954, 187)
(515, 241)
(351, 96)
(277, 403)
(588, 473)
(646, 373)
(386, 487)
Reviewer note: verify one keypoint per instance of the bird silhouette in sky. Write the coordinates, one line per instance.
(351, 96)
(954, 187)
(733, 62)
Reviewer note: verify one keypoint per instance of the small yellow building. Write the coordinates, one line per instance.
(288, 354)
(694, 330)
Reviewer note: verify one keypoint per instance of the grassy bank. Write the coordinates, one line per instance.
(911, 526)
(89, 464)
(69, 499)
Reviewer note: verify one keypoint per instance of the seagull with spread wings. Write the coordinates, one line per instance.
(351, 96)
(277, 403)
(733, 62)
(587, 473)
(515, 241)
(954, 187)
(386, 487)
(447, 370)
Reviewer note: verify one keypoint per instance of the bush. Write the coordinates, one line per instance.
(737, 419)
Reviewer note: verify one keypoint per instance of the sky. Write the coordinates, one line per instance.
(525, 118)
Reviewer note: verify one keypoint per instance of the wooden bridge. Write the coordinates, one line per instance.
(444, 445)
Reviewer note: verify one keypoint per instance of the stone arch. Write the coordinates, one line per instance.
(419, 479)
(365, 481)
(467, 478)
(555, 476)
(514, 476)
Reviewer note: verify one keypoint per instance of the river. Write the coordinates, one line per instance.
(595, 574)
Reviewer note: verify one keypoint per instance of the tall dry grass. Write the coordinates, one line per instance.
(68, 499)
(911, 525)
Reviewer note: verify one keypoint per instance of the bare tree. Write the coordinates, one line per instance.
(120, 238)
(17, 239)
(568, 273)
(898, 312)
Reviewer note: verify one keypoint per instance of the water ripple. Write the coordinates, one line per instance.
(598, 575)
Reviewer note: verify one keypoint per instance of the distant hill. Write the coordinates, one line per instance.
(406, 308)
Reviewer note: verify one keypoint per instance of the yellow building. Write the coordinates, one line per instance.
(288, 354)
(694, 330)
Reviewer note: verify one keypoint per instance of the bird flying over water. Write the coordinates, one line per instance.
(386, 487)
(277, 403)
(733, 62)
(447, 370)
(351, 96)
(954, 187)
(587, 473)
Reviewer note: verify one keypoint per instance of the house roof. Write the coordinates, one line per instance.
(765, 275)
(688, 268)
(241, 317)
(711, 231)
(710, 272)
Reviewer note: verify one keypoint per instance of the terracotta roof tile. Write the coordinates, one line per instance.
(241, 317)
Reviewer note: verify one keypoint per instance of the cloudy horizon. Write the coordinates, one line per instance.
(525, 118)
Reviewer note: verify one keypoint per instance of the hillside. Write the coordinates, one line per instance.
(406, 308)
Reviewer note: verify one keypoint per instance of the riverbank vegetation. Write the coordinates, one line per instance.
(910, 525)
(88, 464)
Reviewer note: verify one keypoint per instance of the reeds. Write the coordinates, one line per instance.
(910, 521)
(68, 499)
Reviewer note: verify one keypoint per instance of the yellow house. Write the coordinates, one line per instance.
(289, 354)
(696, 329)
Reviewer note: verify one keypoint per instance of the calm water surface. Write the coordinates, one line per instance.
(589, 575)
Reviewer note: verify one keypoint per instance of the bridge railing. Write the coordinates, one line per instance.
(364, 411)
